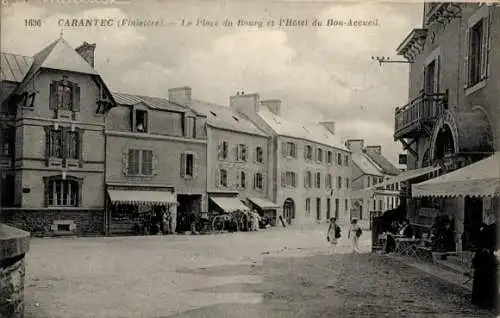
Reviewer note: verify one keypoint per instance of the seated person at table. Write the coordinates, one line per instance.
(404, 231)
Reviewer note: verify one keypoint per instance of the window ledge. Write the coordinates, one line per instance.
(55, 162)
(475, 87)
(141, 175)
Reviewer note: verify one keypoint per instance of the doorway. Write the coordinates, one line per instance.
(289, 210)
(473, 218)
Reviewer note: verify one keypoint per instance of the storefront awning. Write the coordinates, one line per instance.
(407, 175)
(480, 179)
(141, 197)
(229, 204)
(263, 203)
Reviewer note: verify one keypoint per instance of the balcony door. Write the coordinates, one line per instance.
(431, 86)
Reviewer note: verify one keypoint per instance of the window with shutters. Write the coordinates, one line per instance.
(259, 154)
(140, 162)
(241, 152)
(308, 179)
(258, 181)
(243, 179)
(308, 207)
(7, 141)
(329, 157)
(62, 191)
(223, 150)
(289, 179)
(328, 181)
(63, 143)
(289, 150)
(188, 165)
(308, 152)
(475, 52)
(64, 96)
(478, 46)
(319, 155)
(317, 181)
(223, 177)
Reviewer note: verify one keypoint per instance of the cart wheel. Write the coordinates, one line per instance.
(218, 224)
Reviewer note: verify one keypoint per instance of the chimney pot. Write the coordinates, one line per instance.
(87, 51)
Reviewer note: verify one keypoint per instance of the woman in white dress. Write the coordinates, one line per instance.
(354, 234)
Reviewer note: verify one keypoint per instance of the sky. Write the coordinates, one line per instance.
(319, 73)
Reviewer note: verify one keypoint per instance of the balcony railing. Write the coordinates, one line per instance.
(423, 108)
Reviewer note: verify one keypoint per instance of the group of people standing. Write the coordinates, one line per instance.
(334, 233)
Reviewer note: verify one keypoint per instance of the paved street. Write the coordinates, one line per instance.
(274, 273)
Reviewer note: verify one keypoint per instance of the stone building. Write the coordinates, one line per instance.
(369, 169)
(309, 167)
(452, 118)
(155, 155)
(53, 154)
(237, 157)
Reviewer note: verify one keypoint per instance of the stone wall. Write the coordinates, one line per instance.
(14, 244)
(45, 222)
(12, 274)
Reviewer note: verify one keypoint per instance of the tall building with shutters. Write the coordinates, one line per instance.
(309, 168)
(156, 156)
(452, 118)
(52, 159)
(237, 160)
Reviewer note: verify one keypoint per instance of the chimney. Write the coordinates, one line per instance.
(86, 50)
(377, 149)
(329, 125)
(246, 104)
(355, 145)
(274, 106)
(180, 95)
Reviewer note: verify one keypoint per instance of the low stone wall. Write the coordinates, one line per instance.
(14, 244)
(47, 222)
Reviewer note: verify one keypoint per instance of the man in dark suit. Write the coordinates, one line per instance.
(406, 230)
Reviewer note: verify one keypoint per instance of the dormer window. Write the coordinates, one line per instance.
(141, 120)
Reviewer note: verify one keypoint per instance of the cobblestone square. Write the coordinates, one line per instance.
(274, 273)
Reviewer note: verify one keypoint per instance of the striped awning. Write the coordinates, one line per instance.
(141, 197)
(480, 179)
(229, 204)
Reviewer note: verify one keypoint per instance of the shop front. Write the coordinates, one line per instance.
(465, 199)
(139, 209)
(267, 210)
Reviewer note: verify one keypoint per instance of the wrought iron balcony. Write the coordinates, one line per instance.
(418, 116)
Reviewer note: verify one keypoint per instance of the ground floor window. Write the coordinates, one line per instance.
(62, 192)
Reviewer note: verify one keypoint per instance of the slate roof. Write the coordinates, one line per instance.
(386, 165)
(313, 132)
(158, 103)
(225, 118)
(366, 166)
(13, 67)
